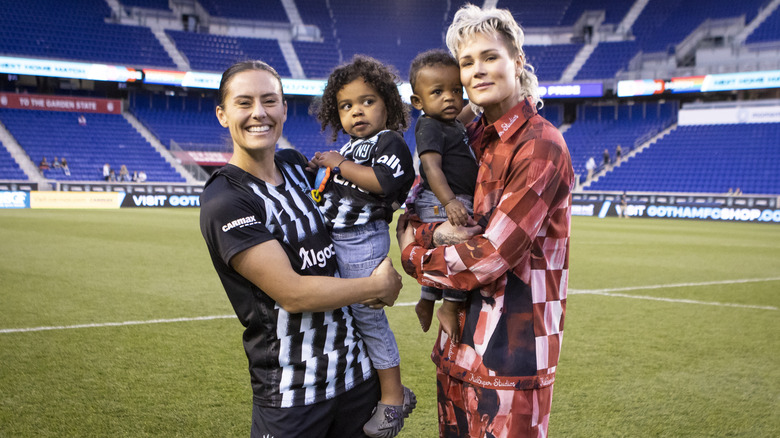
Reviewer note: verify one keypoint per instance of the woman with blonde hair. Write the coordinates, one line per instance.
(495, 371)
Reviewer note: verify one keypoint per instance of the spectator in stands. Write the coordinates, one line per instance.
(309, 371)
(124, 175)
(82, 120)
(112, 176)
(590, 166)
(447, 166)
(623, 205)
(56, 163)
(65, 167)
(107, 172)
(618, 153)
(141, 177)
(44, 165)
(373, 174)
(515, 260)
(606, 158)
(737, 192)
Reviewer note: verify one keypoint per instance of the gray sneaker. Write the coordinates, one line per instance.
(387, 420)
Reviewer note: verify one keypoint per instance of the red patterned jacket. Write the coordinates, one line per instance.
(518, 269)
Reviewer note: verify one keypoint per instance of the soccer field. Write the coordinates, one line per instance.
(114, 323)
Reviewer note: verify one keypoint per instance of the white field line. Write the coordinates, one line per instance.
(604, 292)
(612, 292)
(115, 324)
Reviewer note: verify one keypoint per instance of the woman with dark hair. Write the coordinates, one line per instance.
(309, 369)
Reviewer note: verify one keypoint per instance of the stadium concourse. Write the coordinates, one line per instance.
(689, 91)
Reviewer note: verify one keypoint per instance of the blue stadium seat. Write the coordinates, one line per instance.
(704, 159)
(106, 138)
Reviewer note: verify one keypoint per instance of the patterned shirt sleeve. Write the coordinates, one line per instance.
(532, 181)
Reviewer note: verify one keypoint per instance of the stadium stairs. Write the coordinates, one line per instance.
(21, 158)
(162, 150)
(633, 153)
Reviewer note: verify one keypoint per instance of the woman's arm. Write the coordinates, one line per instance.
(530, 189)
(267, 266)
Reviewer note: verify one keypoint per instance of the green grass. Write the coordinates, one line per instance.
(629, 367)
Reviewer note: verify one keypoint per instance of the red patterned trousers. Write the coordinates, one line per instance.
(469, 411)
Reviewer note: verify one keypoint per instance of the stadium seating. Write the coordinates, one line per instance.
(665, 23)
(9, 169)
(317, 58)
(268, 10)
(607, 60)
(602, 127)
(391, 34)
(217, 52)
(190, 122)
(769, 30)
(614, 10)
(704, 158)
(76, 31)
(563, 12)
(550, 61)
(106, 138)
(148, 4)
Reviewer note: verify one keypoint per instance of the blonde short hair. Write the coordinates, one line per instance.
(471, 20)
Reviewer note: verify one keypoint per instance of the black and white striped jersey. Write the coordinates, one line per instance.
(346, 205)
(294, 359)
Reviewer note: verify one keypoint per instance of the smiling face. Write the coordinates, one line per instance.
(255, 111)
(361, 109)
(489, 72)
(438, 92)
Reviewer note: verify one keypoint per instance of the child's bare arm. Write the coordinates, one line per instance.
(362, 176)
(456, 212)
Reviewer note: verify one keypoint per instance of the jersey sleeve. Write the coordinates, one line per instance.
(428, 136)
(393, 166)
(229, 223)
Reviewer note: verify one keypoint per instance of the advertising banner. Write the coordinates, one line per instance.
(66, 69)
(14, 199)
(60, 103)
(204, 158)
(700, 84)
(732, 115)
(76, 199)
(161, 200)
(614, 208)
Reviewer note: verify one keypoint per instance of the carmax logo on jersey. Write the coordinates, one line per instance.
(244, 221)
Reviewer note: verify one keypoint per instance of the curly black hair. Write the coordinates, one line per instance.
(429, 59)
(382, 78)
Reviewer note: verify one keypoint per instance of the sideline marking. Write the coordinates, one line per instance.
(603, 292)
(611, 293)
(115, 324)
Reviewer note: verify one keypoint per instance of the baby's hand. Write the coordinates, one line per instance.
(327, 159)
(456, 213)
(448, 319)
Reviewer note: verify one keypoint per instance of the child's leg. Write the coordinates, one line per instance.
(359, 250)
(424, 307)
